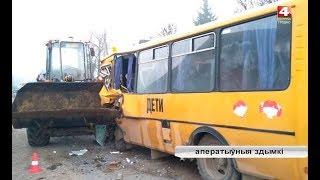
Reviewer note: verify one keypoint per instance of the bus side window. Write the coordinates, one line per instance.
(153, 70)
(193, 68)
(251, 57)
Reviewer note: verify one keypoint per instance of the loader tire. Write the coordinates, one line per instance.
(216, 168)
(37, 135)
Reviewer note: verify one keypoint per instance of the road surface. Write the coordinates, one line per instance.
(97, 163)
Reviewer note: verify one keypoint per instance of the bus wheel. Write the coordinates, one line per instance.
(120, 144)
(216, 168)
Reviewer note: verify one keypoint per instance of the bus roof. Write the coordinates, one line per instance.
(259, 11)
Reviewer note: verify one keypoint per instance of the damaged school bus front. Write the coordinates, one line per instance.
(107, 94)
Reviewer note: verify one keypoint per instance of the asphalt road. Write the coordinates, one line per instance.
(96, 163)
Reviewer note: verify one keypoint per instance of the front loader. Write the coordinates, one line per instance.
(65, 100)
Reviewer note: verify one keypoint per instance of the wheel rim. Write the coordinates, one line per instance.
(219, 168)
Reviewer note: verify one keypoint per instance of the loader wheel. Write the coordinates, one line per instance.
(216, 168)
(37, 135)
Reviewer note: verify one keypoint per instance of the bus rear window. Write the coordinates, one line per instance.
(255, 56)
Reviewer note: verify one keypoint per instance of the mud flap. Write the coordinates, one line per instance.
(101, 134)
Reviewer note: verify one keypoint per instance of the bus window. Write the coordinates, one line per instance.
(181, 47)
(193, 71)
(255, 56)
(203, 42)
(146, 55)
(160, 53)
(153, 70)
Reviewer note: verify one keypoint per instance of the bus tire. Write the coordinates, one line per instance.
(120, 143)
(215, 168)
(110, 133)
(37, 135)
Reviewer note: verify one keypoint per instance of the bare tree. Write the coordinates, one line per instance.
(100, 39)
(264, 2)
(168, 30)
(101, 50)
(244, 5)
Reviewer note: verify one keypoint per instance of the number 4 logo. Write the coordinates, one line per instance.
(284, 11)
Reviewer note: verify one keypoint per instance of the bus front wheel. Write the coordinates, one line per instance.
(215, 168)
(120, 144)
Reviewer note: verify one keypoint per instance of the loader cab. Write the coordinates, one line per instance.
(69, 61)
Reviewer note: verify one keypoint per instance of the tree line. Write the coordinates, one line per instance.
(206, 14)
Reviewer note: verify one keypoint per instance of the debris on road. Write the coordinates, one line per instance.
(99, 159)
(119, 176)
(115, 161)
(130, 161)
(114, 152)
(54, 166)
(113, 166)
(101, 134)
(78, 153)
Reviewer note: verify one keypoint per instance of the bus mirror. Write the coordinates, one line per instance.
(92, 53)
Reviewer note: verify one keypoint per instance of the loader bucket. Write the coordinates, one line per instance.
(64, 100)
(56, 96)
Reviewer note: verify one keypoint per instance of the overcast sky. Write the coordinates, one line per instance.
(125, 21)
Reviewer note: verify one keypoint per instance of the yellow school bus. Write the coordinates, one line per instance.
(236, 81)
